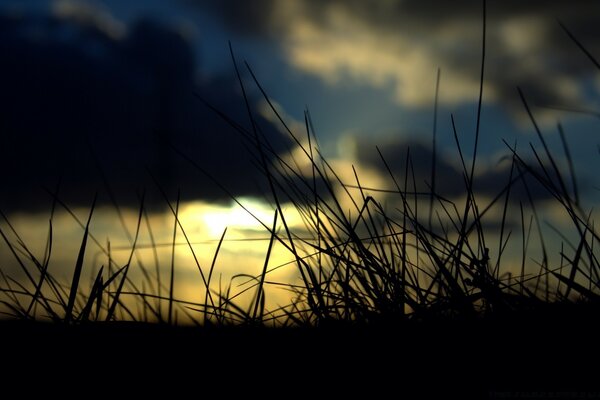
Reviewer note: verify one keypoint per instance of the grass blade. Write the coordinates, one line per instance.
(78, 268)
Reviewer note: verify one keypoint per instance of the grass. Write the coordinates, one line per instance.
(426, 262)
(361, 262)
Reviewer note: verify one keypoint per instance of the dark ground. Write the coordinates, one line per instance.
(549, 356)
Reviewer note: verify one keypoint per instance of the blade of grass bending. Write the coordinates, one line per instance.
(302, 267)
(480, 99)
(246, 101)
(233, 198)
(470, 203)
(544, 264)
(434, 146)
(574, 285)
(172, 277)
(12, 249)
(113, 200)
(43, 276)
(19, 312)
(12, 294)
(546, 150)
(580, 45)
(185, 236)
(525, 237)
(561, 195)
(56, 288)
(140, 263)
(479, 107)
(570, 163)
(210, 272)
(574, 266)
(463, 230)
(109, 191)
(156, 261)
(572, 210)
(8, 291)
(105, 287)
(112, 277)
(48, 252)
(230, 195)
(125, 268)
(260, 293)
(227, 301)
(78, 266)
(503, 220)
(458, 146)
(99, 296)
(96, 287)
(272, 107)
(407, 213)
(310, 128)
(76, 219)
(372, 230)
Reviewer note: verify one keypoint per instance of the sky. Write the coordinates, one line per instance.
(110, 97)
(121, 82)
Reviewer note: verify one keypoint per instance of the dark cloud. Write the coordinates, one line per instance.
(449, 179)
(74, 98)
(260, 16)
(401, 43)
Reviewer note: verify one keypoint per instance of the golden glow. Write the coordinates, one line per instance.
(243, 250)
(213, 219)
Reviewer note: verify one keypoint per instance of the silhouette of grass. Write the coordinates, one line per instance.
(384, 295)
(361, 263)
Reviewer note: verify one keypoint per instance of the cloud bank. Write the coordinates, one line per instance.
(490, 179)
(86, 99)
(399, 44)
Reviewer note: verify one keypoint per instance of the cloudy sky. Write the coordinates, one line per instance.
(101, 89)
(97, 94)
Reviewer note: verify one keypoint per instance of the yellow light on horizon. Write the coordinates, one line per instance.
(213, 219)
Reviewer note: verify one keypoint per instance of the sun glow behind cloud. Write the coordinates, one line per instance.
(243, 250)
(214, 218)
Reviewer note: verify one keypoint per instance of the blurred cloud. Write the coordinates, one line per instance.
(88, 14)
(78, 78)
(83, 93)
(400, 44)
(491, 176)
